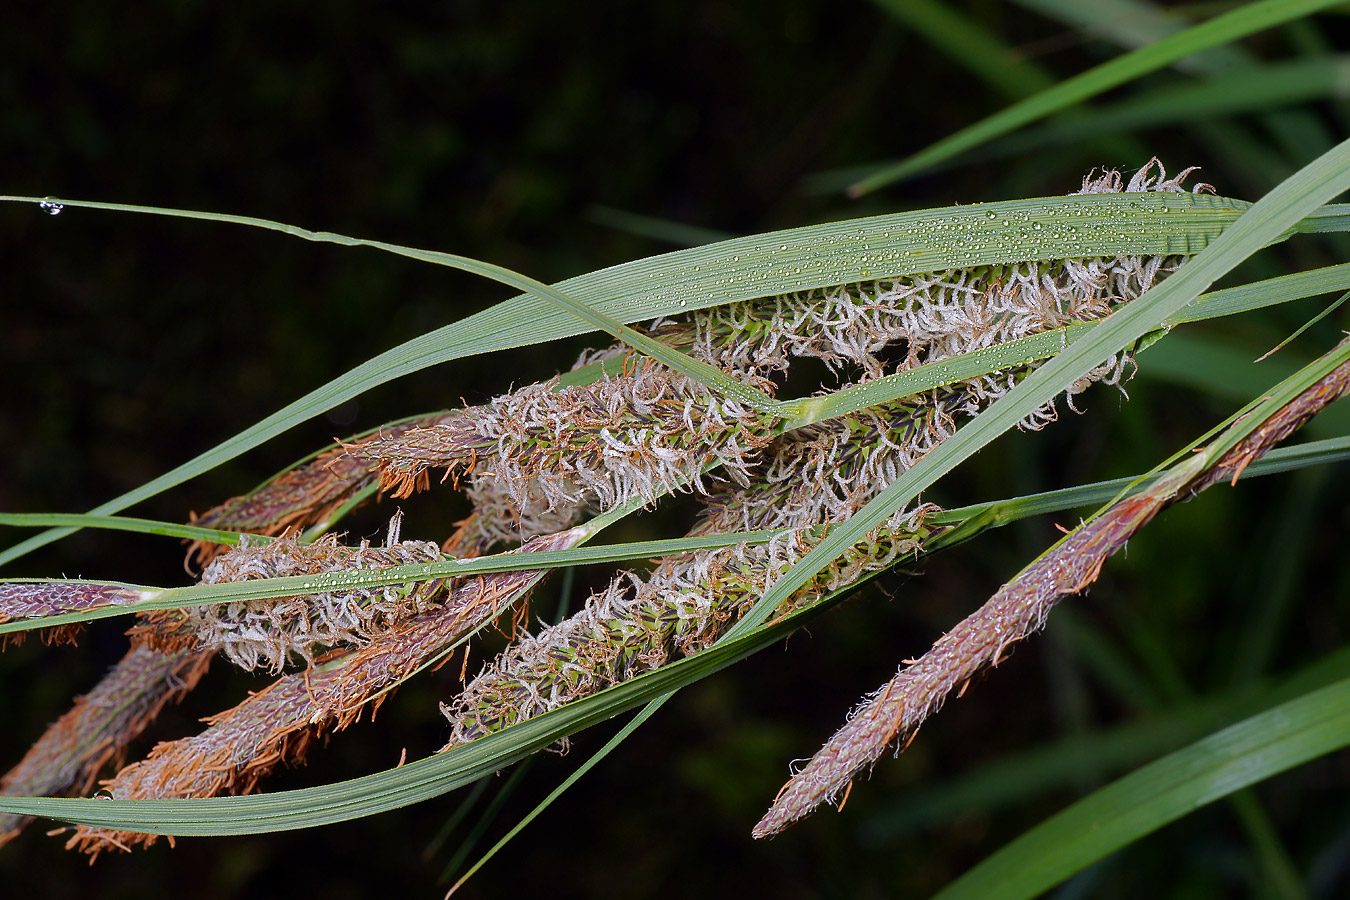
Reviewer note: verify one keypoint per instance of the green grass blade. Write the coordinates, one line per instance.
(157, 599)
(1001, 512)
(1326, 311)
(1277, 591)
(1250, 89)
(1223, 29)
(485, 820)
(1136, 23)
(1260, 152)
(1277, 873)
(1243, 754)
(647, 712)
(973, 46)
(1258, 411)
(125, 523)
(1259, 294)
(739, 269)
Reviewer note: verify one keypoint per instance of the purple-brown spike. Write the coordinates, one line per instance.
(100, 726)
(40, 599)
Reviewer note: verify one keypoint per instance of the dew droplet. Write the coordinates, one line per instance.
(53, 209)
(103, 794)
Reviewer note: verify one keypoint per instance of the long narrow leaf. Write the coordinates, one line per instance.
(739, 269)
(125, 523)
(1252, 750)
(1246, 19)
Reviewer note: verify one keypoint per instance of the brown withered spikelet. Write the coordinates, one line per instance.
(97, 730)
(302, 496)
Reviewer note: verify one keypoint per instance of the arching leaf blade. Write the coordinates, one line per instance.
(1246, 19)
(1263, 745)
(739, 269)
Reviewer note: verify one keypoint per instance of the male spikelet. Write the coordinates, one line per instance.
(636, 436)
(636, 625)
(266, 632)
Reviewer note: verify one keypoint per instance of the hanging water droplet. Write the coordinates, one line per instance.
(53, 209)
(684, 302)
(103, 794)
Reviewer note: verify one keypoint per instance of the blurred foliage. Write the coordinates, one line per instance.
(510, 132)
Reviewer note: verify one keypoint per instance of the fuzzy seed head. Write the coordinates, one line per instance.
(264, 633)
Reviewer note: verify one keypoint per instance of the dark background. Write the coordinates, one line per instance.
(515, 133)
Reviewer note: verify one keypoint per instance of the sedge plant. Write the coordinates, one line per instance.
(936, 332)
